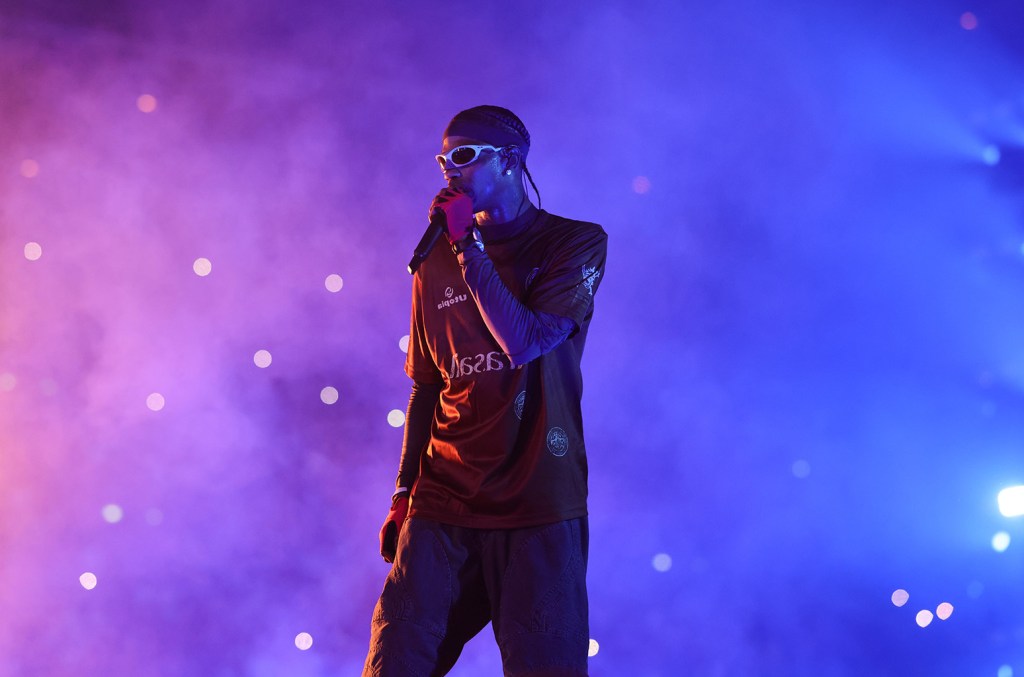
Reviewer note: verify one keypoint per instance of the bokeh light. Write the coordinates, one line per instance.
(88, 580)
(202, 266)
(112, 513)
(944, 611)
(1004, 671)
(990, 155)
(975, 589)
(968, 21)
(155, 401)
(1011, 501)
(146, 103)
(924, 618)
(329, 395)
(7, 382)
(334, 283)
(900, 597)
(801, 469)
(29, 169)
(641, 185)
(593, 648)
(396, 418)
(154, 516)
(33, 250)
(304, 641)
(262, 359)
(403, 344)
(1001, 541)
(662, 562)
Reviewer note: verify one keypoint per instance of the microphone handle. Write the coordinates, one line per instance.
(438, 222)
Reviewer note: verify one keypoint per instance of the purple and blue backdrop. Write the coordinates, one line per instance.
(804, 380)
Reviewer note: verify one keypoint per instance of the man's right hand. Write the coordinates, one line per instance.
(393, 526)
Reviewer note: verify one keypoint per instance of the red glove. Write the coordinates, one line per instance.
(393, 526)
(458, 210)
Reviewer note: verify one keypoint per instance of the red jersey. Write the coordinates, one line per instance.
(506, 446)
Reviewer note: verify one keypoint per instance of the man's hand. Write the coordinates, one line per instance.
(458, 210)
(393, 526)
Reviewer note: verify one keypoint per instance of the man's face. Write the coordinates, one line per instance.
(479, 178)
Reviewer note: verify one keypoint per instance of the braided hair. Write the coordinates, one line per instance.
(507, 122)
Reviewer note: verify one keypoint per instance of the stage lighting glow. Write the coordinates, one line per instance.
(7, 382)
(1004, 671)
(29, 169)
(112, 513)
(900, 597)
(396, 418)
(88, 580)
(329, 395)
(968, 21)
(304, 641)
(1001, 541)
(262, 358)
(944, 611)
(202, 267)
(1011, 501)
(801, 469)
(334, 283)
(662, 562)
(33, 251)
(154, 516)
(990, 155)
(593, 649)
(924, 618)
(641, 185)
(155, 401)
(403, 344)
(146, 103)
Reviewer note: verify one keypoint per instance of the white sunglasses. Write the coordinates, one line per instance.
(460, 156)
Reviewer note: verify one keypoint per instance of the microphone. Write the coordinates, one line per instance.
(438, 224)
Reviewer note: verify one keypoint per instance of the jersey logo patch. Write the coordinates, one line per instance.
(590, 277)
(520, 403)
(558, 442)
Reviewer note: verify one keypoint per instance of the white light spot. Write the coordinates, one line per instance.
(33, 251)
(112, 513)
(396, 418)
(1004, 671)
(924, 618)
(202, 267)
(900, 597)
(304, 640)
(801, 469)
(7, 382)
(1011, 501)
(990, 155)
(88, 580)
(146, 103)
(944, 611)
(403, 344)
(593, 649)
(262, 358)
(334, 283)
(29, 169)
(329, 395)
(155, 401)
(641, 185)
(154, 516)
(661, 562)
(1001, 541)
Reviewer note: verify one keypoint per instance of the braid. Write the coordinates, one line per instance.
(512, 122)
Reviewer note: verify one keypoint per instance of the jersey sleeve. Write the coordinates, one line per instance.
(419, 361)
(567, 284)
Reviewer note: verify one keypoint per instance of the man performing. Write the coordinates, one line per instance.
(489, 519)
